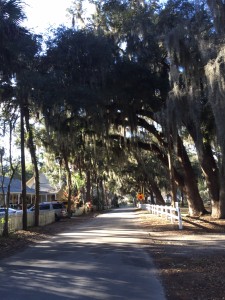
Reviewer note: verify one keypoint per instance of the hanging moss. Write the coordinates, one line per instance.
(215, 73)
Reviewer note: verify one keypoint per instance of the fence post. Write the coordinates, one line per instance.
(172, 212)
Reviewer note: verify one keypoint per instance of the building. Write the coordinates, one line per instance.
(15, 200)
(47, 191)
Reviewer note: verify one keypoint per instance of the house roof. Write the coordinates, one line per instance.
(15, 186)
(45, 185)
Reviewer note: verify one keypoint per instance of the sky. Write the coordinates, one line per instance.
(44, 13)
(41, 14)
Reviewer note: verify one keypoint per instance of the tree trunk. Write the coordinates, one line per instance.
(88, 186)
(23, 168)
(187, 182)
(196, 206)
(218, 207)
(171, 173)
(69, 183)
(98, 195)
(179, 179)
(31, 147)
(195, 203)
(101, 185)
(208, 164)
(12, 169)
(182, 198)
(157, 193)
(5, 232)
(211, 172)
(213, 175)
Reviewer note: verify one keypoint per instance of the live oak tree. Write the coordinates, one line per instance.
(73, 72)
(148, 75)
(214, 71)
(192, 43)
(135, 81)
(141, 81)
(137, 66)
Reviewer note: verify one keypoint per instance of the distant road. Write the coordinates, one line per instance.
(101, 258)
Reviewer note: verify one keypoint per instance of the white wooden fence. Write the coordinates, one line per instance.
(171, 213)
(16, 221)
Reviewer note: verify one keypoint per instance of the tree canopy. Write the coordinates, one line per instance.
(132, 101)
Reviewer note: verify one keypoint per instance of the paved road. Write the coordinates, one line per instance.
(102, 258)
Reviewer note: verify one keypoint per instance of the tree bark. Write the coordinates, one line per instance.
(157, 193)
(195, 202)
(69, 182)
(171, 172)
(218, 207)
(31, 147)
(210, 170)
(5, 232)
(88, 186)
(208, 165)
(23, 168)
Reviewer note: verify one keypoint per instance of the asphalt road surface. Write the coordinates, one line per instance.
(101, 258)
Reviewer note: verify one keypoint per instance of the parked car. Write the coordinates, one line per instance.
(58, 207)
(11, 211)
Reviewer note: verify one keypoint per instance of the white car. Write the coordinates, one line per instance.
(10, 210)
(58, 207)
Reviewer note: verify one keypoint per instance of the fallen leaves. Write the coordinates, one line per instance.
(185, 275)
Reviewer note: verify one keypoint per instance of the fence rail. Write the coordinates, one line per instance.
(16, 221)
(172, 213)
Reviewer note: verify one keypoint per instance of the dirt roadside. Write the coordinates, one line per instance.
(191, 262)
